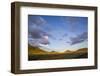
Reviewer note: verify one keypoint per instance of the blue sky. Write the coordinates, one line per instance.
(58, 33)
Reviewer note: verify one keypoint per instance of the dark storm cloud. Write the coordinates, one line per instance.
(79, 38)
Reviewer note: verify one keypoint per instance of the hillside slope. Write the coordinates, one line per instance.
(35, 53)
(35, 50)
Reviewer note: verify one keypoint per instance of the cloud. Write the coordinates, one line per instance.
(44, 41)
(37, 42)
(79, 38)
(60, 39)
(64, 35)
(38, 31)
(73, 23)
(38, 36)
(33, 42)
(37, 20)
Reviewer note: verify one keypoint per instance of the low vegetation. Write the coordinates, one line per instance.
(35, 53)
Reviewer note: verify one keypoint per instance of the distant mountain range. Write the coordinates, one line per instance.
(79, 50)
(36, 50)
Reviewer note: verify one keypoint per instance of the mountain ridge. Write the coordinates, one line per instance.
(37, 50)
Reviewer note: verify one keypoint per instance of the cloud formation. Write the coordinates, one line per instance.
(36, 34)
(36, 42)
(44, 41)
(64, 35)
(37, 20)
(33, 42)
(73, 23)
(79, 38)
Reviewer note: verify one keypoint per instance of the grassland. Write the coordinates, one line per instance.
(34, 53)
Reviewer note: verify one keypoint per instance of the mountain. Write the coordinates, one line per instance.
(45, 48)
(35, 50)
(82, 50)
(36, 53)
(67, 51)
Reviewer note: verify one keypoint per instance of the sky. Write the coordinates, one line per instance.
(58, 33)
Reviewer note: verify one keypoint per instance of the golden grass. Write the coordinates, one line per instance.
(38, 51)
